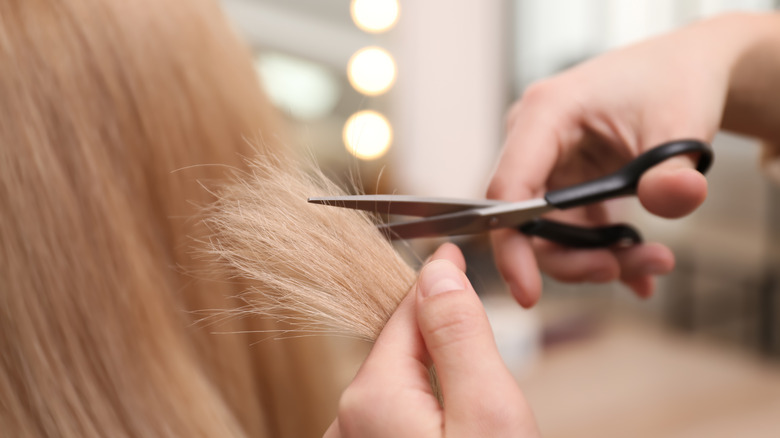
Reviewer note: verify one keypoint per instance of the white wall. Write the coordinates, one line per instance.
(450, 96)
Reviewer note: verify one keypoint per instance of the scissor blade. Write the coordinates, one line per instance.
(470, 221)
(404, 205)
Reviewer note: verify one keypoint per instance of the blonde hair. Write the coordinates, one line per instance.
(322, 269)
(109, 110)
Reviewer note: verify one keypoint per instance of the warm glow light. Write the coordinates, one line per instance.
(374, 15)
(367, 135)
(371, 71)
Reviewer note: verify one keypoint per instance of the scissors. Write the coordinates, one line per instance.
(452, 217)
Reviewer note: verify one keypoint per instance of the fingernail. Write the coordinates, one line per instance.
(440, 276)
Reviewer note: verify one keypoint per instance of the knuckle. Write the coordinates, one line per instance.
(512, 114)
(452, 323)
(539, 92)
(499, 409)
(499, 418)
(508, 186)
(499, 187)
(353, 406)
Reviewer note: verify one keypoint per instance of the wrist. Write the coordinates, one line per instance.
(753, 54)
(722, 43)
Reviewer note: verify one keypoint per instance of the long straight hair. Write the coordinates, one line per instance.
(109, 112)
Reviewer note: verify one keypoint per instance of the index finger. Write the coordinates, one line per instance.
(531, 150)
(391, 394)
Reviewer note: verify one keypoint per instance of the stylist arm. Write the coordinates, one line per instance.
(587, 121)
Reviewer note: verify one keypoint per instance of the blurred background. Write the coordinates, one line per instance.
(393, 96)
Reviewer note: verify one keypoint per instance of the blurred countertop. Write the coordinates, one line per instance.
(635, 379)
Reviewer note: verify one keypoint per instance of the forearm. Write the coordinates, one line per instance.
(753, 99)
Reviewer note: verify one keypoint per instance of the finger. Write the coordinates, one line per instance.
(673, 188)
(639, 264)
(450, 251)
(569, 264)
(391, 395)
(631, 265)
(642, 286)
(645, 259)
(516, 262)
(478, 390)
(333, 430)
(530, 152)
(540, 129)
(577, 265)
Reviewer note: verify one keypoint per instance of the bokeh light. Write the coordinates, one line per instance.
(367, 135)
(374, 16)
(371, 71)
(304, 89)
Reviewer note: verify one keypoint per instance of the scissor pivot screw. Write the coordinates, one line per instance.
(493, 222)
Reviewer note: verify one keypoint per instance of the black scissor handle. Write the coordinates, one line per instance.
(582, 237)
(624, 181)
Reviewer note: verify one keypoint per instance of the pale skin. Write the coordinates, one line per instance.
(717, 74)
(441, 323)
(578, 125)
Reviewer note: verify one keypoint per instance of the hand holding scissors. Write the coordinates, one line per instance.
(450, 217)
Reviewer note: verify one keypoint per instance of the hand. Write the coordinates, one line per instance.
(440, 322)
(591, 120)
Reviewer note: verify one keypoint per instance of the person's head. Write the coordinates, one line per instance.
(112, 114)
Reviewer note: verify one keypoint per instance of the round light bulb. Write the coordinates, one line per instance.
(374, 16)
(367, 135)
(371, 71)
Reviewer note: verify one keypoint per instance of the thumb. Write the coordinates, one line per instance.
(477, 388)
(673, 188)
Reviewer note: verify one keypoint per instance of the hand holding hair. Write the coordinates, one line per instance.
(441, 322)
